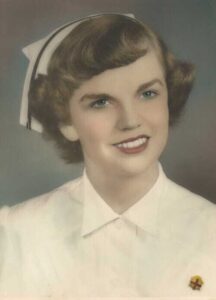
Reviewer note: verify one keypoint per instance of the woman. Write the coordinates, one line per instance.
(108, 94)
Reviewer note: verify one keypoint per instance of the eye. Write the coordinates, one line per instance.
(100, 103)
(149, 94)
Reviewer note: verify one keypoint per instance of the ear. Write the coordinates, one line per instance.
(69, 132)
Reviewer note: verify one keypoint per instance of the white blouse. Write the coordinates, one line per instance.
(69, 243)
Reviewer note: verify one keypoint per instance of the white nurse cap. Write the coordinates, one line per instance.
(39, 54)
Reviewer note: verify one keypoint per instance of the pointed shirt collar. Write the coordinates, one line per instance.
(144, 213)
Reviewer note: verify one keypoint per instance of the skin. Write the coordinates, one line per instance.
(111, 107)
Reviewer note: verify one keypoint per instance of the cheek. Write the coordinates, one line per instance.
(161, 116)
(157, 115)
(94, 128)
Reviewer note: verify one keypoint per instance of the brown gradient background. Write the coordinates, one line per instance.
(29, 166)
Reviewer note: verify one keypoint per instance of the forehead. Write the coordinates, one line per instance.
(144, 69)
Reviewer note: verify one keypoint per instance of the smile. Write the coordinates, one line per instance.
(134, 145)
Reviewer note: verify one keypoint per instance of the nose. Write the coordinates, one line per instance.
(128, 118)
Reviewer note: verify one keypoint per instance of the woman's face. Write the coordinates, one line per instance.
(121, 117)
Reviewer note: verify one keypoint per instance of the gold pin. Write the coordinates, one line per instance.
(196, 282)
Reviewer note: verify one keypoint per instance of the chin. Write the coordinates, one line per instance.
(133, 168)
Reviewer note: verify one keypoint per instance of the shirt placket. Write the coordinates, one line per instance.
(119, 260)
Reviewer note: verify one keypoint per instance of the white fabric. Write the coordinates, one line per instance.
(70, 243)
(31, 52)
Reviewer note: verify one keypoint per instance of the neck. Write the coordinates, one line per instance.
(121, 192)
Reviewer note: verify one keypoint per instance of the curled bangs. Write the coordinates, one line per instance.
(100, 44)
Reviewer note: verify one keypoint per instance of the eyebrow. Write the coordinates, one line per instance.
(148, 84)
(142, 87)
(94, 96)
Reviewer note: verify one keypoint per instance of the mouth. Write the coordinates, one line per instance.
(133, 145)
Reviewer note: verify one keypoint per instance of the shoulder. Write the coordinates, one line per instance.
(185, 200)
(32, 231)
(42, 209)
(187, 223)
(188, 216)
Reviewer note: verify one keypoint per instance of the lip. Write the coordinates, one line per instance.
(133, 150)
(132, 139)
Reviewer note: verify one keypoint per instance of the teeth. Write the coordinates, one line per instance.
(133, 144)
